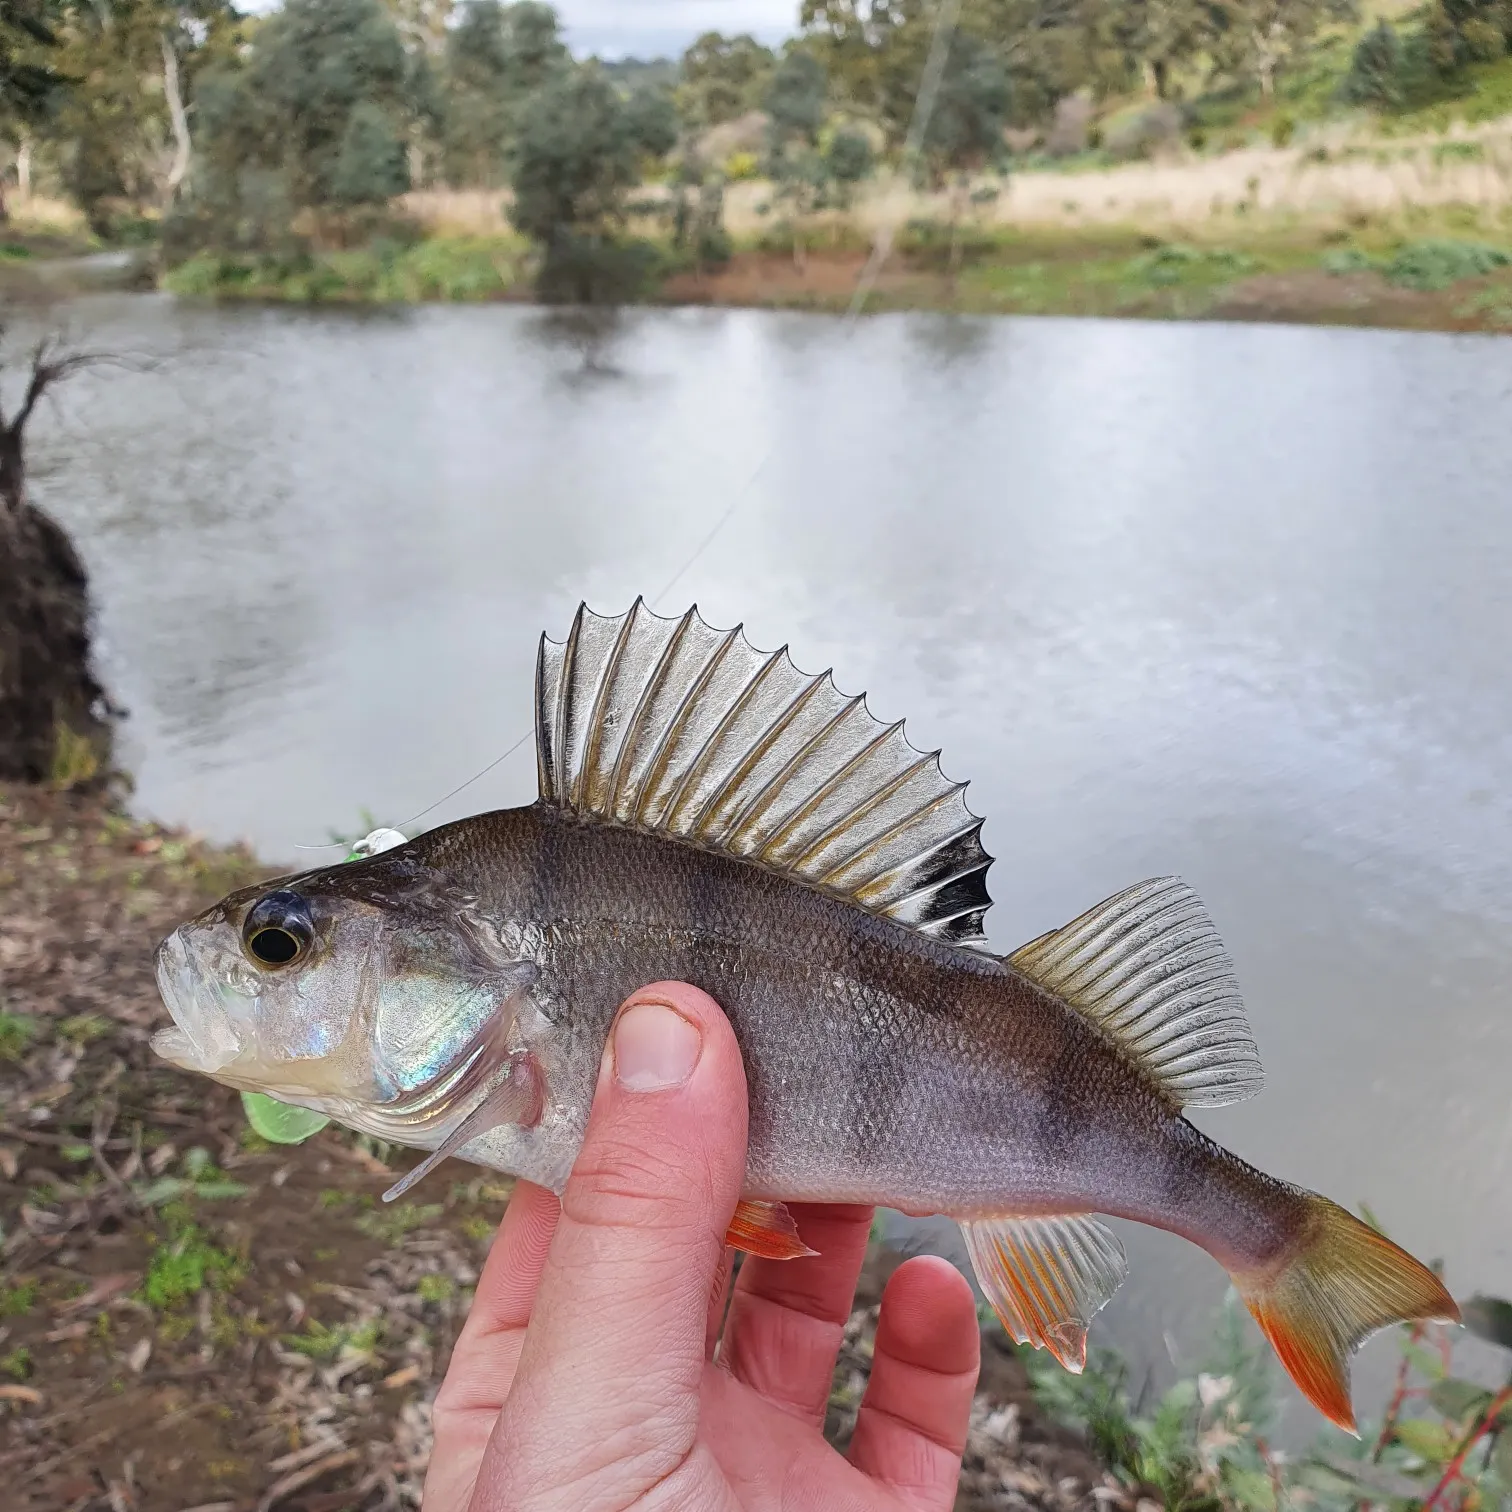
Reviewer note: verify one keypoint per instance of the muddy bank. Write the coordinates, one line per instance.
(192, 1318)
(1115, 276)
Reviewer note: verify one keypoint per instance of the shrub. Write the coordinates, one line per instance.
(1375, 71)
(1433, 265)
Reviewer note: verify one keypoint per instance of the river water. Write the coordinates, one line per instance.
(1233, 602)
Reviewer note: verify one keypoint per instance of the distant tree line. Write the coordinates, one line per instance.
(264, 135)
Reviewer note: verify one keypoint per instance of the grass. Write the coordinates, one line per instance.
(184, 1264)
(444, 268)
(17, 1364)
(16, 1033)
(16, 1301)
(391, 1224)
(324, 1344)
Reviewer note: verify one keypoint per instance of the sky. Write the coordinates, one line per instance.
(650, 28)
(654, 28)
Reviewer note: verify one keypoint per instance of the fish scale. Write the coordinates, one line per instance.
(709, 813)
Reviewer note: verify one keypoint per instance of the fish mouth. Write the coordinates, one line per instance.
(203, 1038)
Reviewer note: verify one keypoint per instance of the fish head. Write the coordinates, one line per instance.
(372, 991)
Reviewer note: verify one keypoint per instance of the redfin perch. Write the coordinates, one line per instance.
(711, 814)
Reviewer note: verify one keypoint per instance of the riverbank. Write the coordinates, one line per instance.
(190, 1317)
(1436, 278)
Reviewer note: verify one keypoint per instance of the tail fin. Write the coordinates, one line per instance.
(1343, 1282)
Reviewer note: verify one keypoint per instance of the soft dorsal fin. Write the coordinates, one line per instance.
(1147, 967)
(675, 728)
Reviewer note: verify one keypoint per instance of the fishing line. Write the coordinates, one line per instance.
(946, 16)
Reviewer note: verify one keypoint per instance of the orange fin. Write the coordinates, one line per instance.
(1344, 1282)
(766, 1229)
(1046, 1277)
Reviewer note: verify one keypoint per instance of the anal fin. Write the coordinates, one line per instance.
(766, 1229)
(1046, 1278)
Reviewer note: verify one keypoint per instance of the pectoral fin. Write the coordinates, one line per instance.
(1047, 1277)
(513, 1095)
(766, 1229)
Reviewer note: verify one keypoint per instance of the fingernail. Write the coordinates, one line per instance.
(654, 1048)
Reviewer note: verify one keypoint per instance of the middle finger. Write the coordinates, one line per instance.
(787, 1317)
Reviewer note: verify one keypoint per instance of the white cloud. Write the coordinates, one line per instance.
(648, 28)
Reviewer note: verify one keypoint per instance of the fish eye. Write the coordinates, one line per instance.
(278, 929)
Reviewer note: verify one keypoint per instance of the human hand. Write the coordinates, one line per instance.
(585, 1378)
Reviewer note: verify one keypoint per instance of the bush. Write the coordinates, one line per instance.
(1344, 260)
(1375, 71)
(1175, 263)
(1433, 265)
(742, 165)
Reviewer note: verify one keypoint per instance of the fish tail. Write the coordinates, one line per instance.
(1337, 1285)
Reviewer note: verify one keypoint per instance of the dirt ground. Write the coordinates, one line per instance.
(1080, 283)
(190, 1318)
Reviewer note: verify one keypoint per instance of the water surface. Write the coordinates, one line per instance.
(1233, 602)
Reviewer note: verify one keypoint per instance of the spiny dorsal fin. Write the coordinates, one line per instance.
(1147, 967)
(1046, 1278)
(675, 728)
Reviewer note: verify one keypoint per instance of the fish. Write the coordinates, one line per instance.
(709, 813)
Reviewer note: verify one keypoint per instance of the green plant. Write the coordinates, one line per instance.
(435, 1288)
(391, 1224)
(1342, 260)
(16, 1033)
(184, 1264)
(1433, 265)
(322, 1343)
(17, 1364)
(16, 1301)
(1204, 1444)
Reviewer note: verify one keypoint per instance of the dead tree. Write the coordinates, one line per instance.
(54, 716)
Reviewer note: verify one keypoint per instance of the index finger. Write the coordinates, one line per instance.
(613, 1360)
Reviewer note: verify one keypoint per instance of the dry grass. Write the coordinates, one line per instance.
(458, 212)
(1332, 175)
(43, 213)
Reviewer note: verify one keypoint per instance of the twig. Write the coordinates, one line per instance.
(1452, 1470)
(293, 1481)
(1398, 1397)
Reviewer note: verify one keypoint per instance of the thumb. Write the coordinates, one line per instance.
(604, 1404)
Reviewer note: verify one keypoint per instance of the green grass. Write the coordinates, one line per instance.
(17, 1364)
(323, 1344)
(390, 1225)
(435, 1288)
(16, 1301)
(186, 1263)
(455, 269)
(16, 1033)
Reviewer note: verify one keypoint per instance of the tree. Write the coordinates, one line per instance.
(1467, 31)
(795, 102)
(120, 131)
(53, 712)
(1159, 36)
(964, 130)
(869, 49)
(575, 155)
(495, 56)
(1255, 41)
(30, 81)
(1375, 70)
(722, 78)
(314, 120)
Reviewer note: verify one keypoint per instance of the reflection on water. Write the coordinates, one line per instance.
(1226, 601)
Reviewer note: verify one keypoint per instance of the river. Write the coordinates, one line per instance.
(1228, 601)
